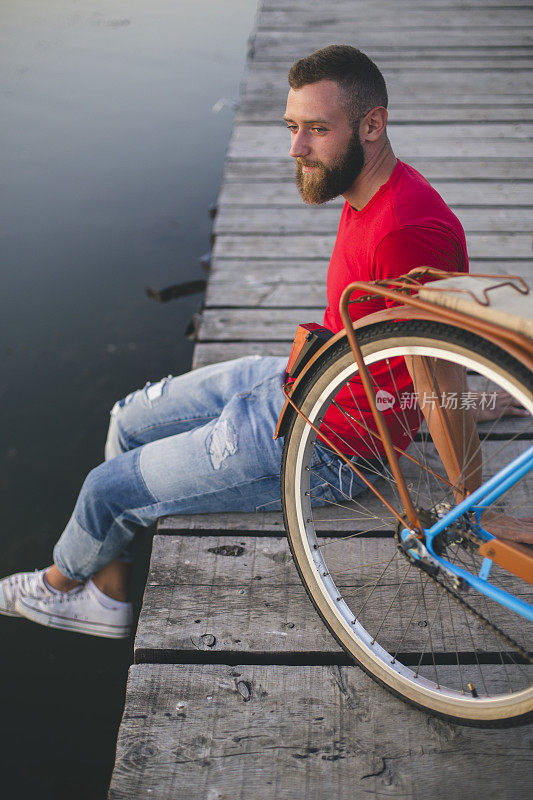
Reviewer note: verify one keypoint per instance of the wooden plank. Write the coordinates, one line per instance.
(449, 61)
(412, 18)
(182, 623)
(419, 36)
(434, 169)
(249, 324)
(193, 581)
(310, 246)
(257, 523)
(250, 290)
(248, 219)
(232, 561)
(213, 352)
(278, 624)
(268, 91)
(271, 111)
(462, 48)
(452, 141)
(273, 42)
(457, 50)
(499, 195)
(444, 59)
(272, 284)
(388, 6)
(412, 85)
(255, 293)
(369, 35)
(408, 85)
(206, 353)
(221, 732)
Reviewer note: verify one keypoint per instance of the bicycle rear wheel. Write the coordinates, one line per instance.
(454, 653)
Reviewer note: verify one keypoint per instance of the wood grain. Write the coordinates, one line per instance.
(223, 595)
(500, 196)
(298, 284)
(254, 220)
(218, 732)
(434, 169)
(319, 246)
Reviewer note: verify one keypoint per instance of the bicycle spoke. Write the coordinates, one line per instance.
(389, 562)
(453, 642)
(456, 649)
(398, 590)
(475, 651)
(429, 636)
(328, 502)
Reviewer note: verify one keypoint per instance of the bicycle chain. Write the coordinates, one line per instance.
(477, 614)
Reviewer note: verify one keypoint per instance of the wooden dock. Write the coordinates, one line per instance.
(238, 690)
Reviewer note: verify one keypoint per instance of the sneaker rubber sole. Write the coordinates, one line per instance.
(68, 624)
(7, 613)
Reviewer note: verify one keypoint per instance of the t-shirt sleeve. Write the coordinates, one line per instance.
(411, 247)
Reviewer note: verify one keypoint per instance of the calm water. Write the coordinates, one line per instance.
(110, 157)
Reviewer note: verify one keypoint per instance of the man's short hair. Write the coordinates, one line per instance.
(360, 81)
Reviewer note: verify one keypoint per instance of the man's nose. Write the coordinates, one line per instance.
(299, 145)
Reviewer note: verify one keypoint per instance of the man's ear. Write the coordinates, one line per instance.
(373, 124)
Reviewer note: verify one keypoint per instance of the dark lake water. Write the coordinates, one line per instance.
(110, 158)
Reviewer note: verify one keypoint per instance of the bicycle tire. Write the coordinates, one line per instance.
(336, 582)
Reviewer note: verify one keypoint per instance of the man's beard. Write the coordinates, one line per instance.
(325, 183)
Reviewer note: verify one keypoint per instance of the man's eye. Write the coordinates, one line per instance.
(320, 130)
(292, 128)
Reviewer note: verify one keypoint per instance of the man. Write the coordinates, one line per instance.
(202, 442)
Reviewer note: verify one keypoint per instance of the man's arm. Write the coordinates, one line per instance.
(453, 431)
(455, 436)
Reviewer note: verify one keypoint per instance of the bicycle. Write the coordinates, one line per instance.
(392, 496)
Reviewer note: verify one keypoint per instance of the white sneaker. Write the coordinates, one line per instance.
(12, 587)
(78, 610)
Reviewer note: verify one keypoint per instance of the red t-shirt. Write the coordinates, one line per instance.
(405, 225)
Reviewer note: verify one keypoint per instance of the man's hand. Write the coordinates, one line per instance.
(504, 405)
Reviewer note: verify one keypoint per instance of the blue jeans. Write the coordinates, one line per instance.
(201, 442)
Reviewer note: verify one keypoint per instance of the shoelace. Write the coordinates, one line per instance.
(66, 597)
(32, 584)
(27, 583)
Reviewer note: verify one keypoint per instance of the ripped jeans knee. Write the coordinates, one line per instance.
(221, 442)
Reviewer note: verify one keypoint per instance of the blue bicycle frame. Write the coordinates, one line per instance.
(477, 502)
